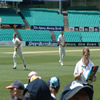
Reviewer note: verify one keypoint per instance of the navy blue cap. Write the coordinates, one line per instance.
(16, 84)
(38, 90)
(72, 88)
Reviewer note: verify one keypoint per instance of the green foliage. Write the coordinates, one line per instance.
(45, 61)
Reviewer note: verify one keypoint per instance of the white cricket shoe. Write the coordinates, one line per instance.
(61, 63)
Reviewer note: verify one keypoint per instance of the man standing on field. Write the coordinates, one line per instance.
(17, 50)
(61, 42)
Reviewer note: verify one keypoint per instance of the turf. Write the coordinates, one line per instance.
(46, 64)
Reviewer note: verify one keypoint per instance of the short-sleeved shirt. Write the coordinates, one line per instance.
(16, 42)
(78, 68)
(61, 39)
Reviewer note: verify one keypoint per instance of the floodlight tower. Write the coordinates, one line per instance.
(60, 6)
(0, 23)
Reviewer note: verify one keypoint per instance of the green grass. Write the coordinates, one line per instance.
(45, 64)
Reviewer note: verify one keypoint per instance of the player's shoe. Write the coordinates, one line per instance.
(24, 67)
(14, 67)
(61, 63)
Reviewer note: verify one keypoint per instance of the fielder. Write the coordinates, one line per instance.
(61, 42)
(17, 50)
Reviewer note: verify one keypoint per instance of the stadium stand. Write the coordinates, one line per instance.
(42, 17)
(45, 36)
(6, 34)
(9, 16)
(69, 36)
(83, 18)
(48, 17)
(90, 36)
(35, 35)
(80, 36)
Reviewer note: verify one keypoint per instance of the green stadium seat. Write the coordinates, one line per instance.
(9, 16)
(37, 35)
(6, 34)
(83, 18)
(42, 17)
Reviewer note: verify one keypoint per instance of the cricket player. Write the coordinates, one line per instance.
(17, 50)
(61, 42)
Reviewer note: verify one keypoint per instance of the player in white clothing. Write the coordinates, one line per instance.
(61, 41)
(17, 50)
(82, 68)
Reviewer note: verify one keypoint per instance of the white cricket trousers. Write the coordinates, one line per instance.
(19, 51)
(61, 53)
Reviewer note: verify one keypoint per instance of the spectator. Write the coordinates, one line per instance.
(76, 91)
(54, 85)
(16, 90)
(37, 90)
(82, 68)
(33, 73)
(61, 42)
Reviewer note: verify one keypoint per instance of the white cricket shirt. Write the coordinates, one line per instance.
(16, 42)
(78, 68)
(61, 39)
